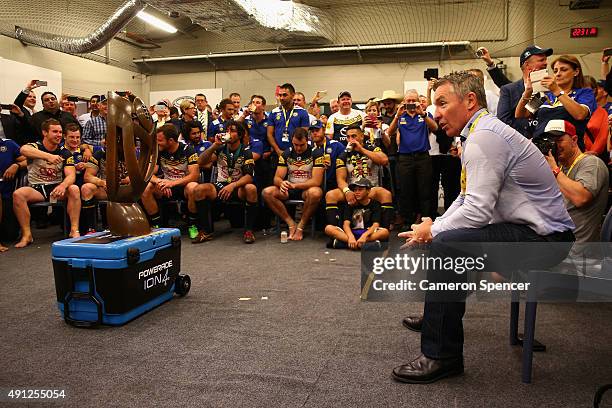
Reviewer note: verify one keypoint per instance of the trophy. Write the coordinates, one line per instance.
(128, 122)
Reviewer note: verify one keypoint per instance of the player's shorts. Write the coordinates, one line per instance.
(44, 189)
(219, 185)
(295, 194)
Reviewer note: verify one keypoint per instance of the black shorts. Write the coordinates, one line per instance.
(178, 193)
(44, 189)
(295, 194)
(219, 185)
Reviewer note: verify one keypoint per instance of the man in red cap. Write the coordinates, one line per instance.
(582, 179)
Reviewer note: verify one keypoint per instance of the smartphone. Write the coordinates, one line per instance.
(41, 83)
(410, 106)
(73, 98)
(160, 107)
(480, 52)
(536, 77)
(607, 52)
(5, 107)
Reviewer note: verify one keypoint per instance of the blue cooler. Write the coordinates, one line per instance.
(108, 279)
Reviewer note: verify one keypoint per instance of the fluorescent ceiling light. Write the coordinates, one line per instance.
(156, 22)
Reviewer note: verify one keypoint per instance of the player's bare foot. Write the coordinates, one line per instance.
(3, 248)
(24, 242)
(298, 235)
(74, 234)
(292, 229)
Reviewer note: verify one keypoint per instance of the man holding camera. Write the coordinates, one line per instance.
(533, 58)
(411, 126)
(582, 178)
(51, 110)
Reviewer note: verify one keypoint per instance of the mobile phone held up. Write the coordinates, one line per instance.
(41, 83)
(4, 106)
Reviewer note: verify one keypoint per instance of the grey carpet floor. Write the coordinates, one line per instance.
(311, 343)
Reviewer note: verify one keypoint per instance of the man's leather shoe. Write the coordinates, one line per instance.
(425, 370)
(414, 323)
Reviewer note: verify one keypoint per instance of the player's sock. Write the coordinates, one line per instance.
(251, 214)
(88, 211)
(332, 214)
(204, 222)
(387, 215)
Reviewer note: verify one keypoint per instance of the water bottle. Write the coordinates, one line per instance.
(284, 238)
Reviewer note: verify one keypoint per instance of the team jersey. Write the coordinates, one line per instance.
(41, 172)
(259, 131)
(9, 152)
(338, 122)
(359, 165)
(77, 156)
(217, 126)
(175, 165)
(414, 134)
(200, 147)
(231, 166)
(556, 110)
(279, 118)
(299, 166)
(330, 152)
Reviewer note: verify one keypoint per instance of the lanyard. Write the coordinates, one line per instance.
(476, 121)
(287, 119)
(234, 156)
(580, 157)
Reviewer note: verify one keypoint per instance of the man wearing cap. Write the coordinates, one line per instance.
(94, 132)
(582, 178)
(602, 97)
(508, 194)
(533, 58)
(330, 150)
(338, 122)
(360, 222)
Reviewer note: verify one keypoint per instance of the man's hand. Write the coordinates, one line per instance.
(278, 151)
(400, 110)
(102, 184)
(54, 159)
(286, 186)
(486, 56)
(87, 155)
(362, 240)
(420, 234)
(163, 184)
(16, 110)
(32, 84)
(10, 172)
(551, 160)
(352, 243)
(226, 192)
(80, 166)
(357, 147)
(430, 84)
(605, 58)
(419, 109)
(350, 198)
(59, 191)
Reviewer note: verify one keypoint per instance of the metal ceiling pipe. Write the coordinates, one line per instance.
(82, 45)
(359, 48)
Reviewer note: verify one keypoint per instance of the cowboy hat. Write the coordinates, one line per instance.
(390, 94)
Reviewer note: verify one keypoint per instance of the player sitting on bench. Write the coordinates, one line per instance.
(234, 178)
(51, 176)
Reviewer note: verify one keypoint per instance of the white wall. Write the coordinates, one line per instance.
(80, 77)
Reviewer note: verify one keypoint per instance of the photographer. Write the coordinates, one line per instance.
(582, 179)
(567, 98)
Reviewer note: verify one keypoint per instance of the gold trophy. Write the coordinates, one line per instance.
(128, 122)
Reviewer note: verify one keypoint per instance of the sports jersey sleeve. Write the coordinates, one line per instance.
(13, 147)
(67, 156)
(341, 160)
(376, 212)
(282, 160)
(248, 168)
(256, 146)
(586, 97)
(304, 119)
(317, 159)
(192, 156)
(348, 213)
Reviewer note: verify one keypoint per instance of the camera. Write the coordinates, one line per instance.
(226, 137)
(410, 106)
(534, 104)
(546, 144)
(480, 52)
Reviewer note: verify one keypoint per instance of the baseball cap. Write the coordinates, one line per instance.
(360, 182)
(534, 50)
(316, 124)
(344, 93)
(559, 127)
(601, 83)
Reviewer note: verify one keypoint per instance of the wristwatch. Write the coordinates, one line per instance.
(560, 94)
(556, 171)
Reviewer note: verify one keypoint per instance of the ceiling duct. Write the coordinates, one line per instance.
(81, 45)
(584, 4)
(275, 21)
